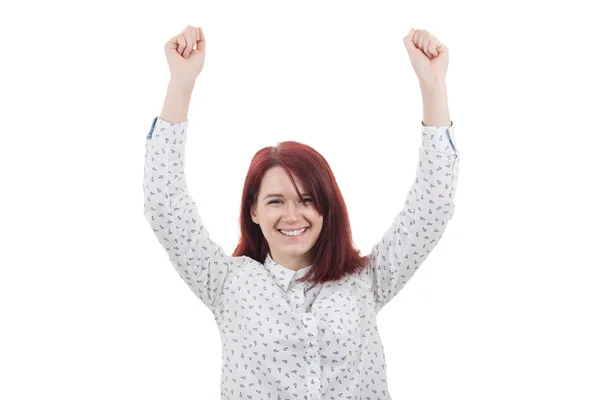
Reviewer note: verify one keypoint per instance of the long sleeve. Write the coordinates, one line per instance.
(417, 229)
(173, 216)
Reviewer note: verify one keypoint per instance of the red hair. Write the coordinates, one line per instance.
(334, 254)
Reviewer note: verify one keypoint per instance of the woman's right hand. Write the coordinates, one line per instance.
(184, 61)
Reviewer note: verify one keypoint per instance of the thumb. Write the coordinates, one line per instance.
(442, 50)
(201, 43)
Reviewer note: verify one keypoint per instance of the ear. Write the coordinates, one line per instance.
(253, 213)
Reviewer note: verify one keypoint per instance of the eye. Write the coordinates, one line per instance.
(305, 199)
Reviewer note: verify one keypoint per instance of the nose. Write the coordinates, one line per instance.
(291, 211)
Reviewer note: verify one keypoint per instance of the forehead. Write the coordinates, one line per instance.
(276, 180)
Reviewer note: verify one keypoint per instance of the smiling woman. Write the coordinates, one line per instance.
(280, 334)
(290, 187)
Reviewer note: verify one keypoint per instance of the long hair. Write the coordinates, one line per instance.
(334, 254)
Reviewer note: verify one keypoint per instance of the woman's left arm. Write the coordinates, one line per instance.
(429, 205)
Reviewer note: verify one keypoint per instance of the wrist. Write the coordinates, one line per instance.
(432, 86)
(182, 83)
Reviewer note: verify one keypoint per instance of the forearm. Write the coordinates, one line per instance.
(177, 101)
(435, 105)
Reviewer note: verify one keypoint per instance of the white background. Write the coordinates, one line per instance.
(505, 307)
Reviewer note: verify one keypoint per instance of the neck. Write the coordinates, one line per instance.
(293, 263)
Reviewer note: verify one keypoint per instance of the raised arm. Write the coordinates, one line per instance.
(169, 207)
(429, 205)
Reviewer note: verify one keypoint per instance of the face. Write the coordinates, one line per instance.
(285, 211)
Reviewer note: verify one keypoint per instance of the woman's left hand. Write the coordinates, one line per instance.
(429, 57)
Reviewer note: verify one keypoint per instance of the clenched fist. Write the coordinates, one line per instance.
(428, 56)
(184, 61)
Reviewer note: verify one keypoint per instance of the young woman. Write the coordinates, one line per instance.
(296, 303)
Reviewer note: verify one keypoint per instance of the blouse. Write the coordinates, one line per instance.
(283, 339)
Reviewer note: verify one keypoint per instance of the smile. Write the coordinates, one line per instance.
(293, 234)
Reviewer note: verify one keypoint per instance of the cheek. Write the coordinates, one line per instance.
(315, 216)
(317, 221)
(270, 217)
(320, 227)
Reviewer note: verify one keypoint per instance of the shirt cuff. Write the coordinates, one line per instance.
(168, 133)
(439, 138)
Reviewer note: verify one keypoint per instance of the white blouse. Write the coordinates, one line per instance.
(283, 339)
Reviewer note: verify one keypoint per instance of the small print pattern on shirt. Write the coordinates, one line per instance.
(283, 339)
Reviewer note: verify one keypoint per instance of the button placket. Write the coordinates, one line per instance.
(301, 300)
(313, 377)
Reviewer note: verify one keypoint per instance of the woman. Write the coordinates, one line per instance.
(296, 304)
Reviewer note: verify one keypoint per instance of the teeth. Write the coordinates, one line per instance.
(293, 233)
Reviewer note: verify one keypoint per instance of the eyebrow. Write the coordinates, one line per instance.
(281, 196)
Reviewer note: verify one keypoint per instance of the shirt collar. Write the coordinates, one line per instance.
(284, 277)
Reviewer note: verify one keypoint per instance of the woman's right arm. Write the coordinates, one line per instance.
(170, 209)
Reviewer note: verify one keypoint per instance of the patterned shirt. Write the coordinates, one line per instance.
(283, 339)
